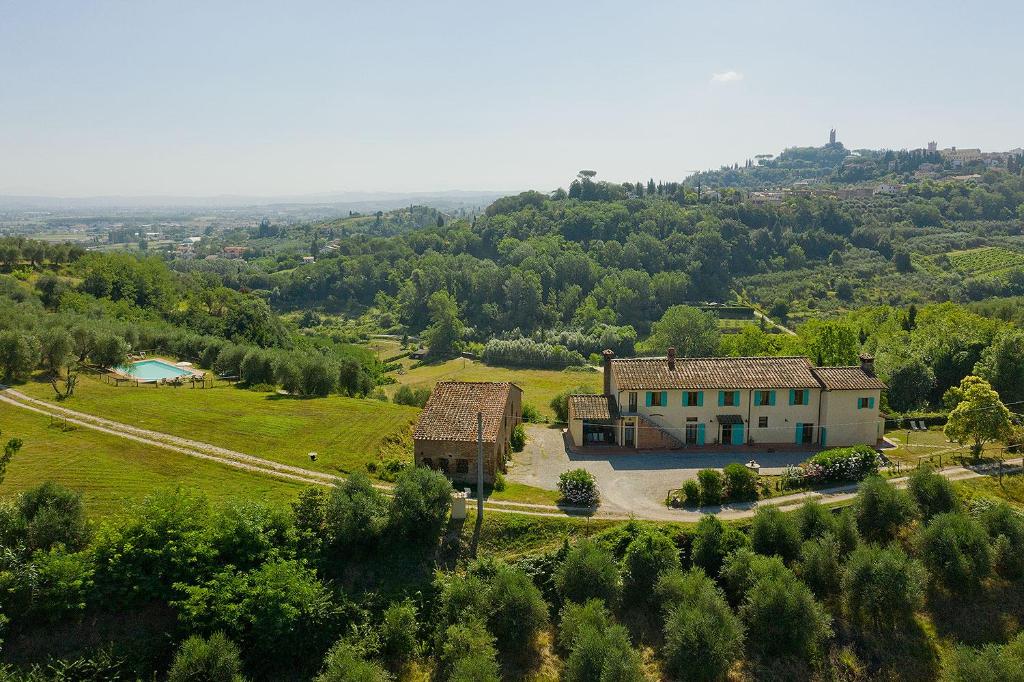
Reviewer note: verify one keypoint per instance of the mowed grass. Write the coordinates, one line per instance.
(539, 385)
(346, 433)
(112, 472)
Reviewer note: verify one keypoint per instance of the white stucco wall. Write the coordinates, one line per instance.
(782, 417)
(846, 424)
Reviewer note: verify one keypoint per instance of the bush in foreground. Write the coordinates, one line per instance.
(703, 637)
(206, 660)
(578, 488)
(775, 532)
(711, 486)
(647, 556)
(882, 586)
(933, 492)
(882, 509)
(588, 572)
(740, 482)
(955, 549)
(345, 663)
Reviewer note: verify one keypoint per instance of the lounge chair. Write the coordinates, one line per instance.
(921, 425)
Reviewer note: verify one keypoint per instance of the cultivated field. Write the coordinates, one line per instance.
(110, 471)
(990, 261)
(347, 433)
(539, 385)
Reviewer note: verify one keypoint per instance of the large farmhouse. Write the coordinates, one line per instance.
(670, 402)
(445, 437)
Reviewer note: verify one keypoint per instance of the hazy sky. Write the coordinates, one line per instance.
(207, 98)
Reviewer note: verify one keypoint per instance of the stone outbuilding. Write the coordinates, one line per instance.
(445, 437)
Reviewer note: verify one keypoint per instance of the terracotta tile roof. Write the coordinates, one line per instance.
(450, 413)
(847, 379)
(634, 374)
(593, 407)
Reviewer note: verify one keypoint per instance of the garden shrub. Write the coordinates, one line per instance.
(841, 464)
(578, 488)
(740, 482)
(530, 414)
(711, 486)
(691, 493)
(518, 438)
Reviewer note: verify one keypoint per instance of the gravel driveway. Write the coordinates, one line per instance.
(635, 482)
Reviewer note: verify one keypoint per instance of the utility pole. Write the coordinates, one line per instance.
(479, 466)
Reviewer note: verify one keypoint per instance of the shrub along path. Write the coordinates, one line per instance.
(645, 510)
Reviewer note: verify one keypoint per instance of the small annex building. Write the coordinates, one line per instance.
(445, 437)
(668, 402)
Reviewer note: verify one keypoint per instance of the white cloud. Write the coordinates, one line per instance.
(726, 77)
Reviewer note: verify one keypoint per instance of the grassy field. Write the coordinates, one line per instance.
(112, 471)
(347, 433)
(539, 385)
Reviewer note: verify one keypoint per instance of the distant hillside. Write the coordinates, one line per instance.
(831, 163)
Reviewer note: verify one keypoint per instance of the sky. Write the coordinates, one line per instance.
(290, 98)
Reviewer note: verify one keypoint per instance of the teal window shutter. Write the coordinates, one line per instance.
(736, 398)
(871, 403)
(700, 434)
(650, 398)
(792, 396)
(737, 434)
(771, 398)
(721, 398)
(664, 398)
(822, 436)
(757, 398)
(700, 399)
(799, 433)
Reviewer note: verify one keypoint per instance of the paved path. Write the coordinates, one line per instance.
(620, 499)
(636, 482)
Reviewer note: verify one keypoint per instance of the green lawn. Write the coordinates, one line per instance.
(539, 385)
(347, 433)
(111, 471)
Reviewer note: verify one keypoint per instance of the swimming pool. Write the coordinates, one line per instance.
(153, 370)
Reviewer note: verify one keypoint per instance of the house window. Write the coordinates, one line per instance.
(632, 401)
(730, 398)
(765, 398)
(462, 466)
(692, 398)
(762, 422)
(656, 399)
(798, 396)
(865, 403)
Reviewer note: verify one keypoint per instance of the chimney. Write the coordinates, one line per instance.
(607, 355)
(672, 359)
(867, 363)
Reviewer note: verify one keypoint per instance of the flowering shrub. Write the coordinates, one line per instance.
(841, 464)
(578, 488)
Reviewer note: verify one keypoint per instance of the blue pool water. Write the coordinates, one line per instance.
(153, 370)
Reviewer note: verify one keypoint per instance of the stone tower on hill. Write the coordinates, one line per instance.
(832, 136)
